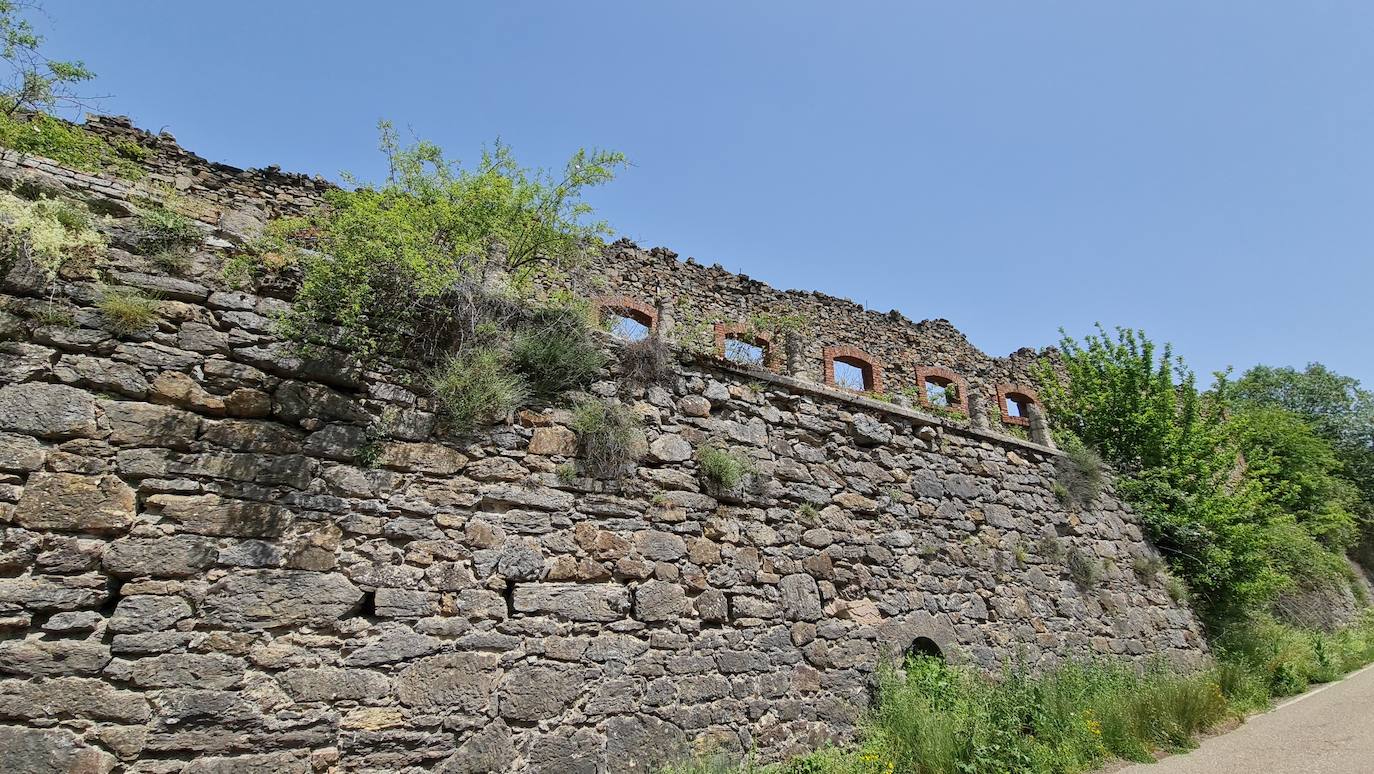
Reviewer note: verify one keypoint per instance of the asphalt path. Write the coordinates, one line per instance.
(1328, 730)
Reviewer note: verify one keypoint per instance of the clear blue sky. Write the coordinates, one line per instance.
(1202, 170)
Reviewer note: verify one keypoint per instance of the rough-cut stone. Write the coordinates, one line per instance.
(143, 424)
(48, 411)
(573, 601)
(659, 601)
(174, 557)
(20, 453)
(670, 448)
(456, 682)
(422, 458)
(214, 515)
(533, 694)
(557, 441)
(67, 502)
(75, 696)
(52, 658)
(329, 684)
(187, 670)
(148, 613)
(801, 599)
(271, 599)
(50, 751)
(487, 750)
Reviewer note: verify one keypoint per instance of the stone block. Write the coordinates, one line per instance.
(66, 502)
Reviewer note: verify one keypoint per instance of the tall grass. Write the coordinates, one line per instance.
(932, 718)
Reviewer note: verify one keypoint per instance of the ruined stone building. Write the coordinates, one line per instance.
(213, 562)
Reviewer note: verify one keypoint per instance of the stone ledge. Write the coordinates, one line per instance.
(869, 404)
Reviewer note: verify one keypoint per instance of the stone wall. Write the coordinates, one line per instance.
(217, 557)
(903, 351)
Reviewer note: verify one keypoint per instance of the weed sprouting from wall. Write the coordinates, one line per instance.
(1079, 475)
(722, 469)
(608, 436)
(127, 311)
(647, 362)
(474, 386)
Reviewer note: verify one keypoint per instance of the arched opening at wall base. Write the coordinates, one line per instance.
(924, 646)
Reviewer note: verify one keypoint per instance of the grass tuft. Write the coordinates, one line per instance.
(608, 435)
(723, 470)
(475, 386)
(127, 310)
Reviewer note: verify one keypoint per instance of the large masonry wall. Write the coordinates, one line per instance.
(217, 557)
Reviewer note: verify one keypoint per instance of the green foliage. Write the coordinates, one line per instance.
(1139, 407)
(126, 310)
(162, 229)
(724, 470)
(393, 267)
(608, 436)
(1272, 660)
(50, 233)
(556, 350)
(34, 82)
(67, 144)
(476, 385)
(1338, 410)
(567, 473)
(932, 718)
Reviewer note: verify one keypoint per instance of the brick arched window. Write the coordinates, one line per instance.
(626, 317)
(738, 343)
(936, 386)
(852, 368)
(1014, 402)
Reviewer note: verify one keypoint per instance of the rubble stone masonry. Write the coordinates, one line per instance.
(217, 557)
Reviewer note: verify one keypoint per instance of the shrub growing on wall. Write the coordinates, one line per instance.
(397, 267)
(608, 436)
(49, 233)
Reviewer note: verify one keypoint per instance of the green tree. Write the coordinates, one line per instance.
(1140, 408)
(1337, 408)
(429, 259)
(35, 83)
(1298, 471)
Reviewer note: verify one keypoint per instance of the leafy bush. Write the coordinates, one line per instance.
(648, 361)
(608, 436)
(1223, 528)
(50, 233)
(476, 385)
(723, 470)
(391, 268)
(126, 310)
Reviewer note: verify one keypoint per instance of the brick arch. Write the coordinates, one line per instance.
(870, 366)
(941, 376)
(761, 339)
(625, 306)
(1021, 395)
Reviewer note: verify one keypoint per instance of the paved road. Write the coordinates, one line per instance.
(1327, 731)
